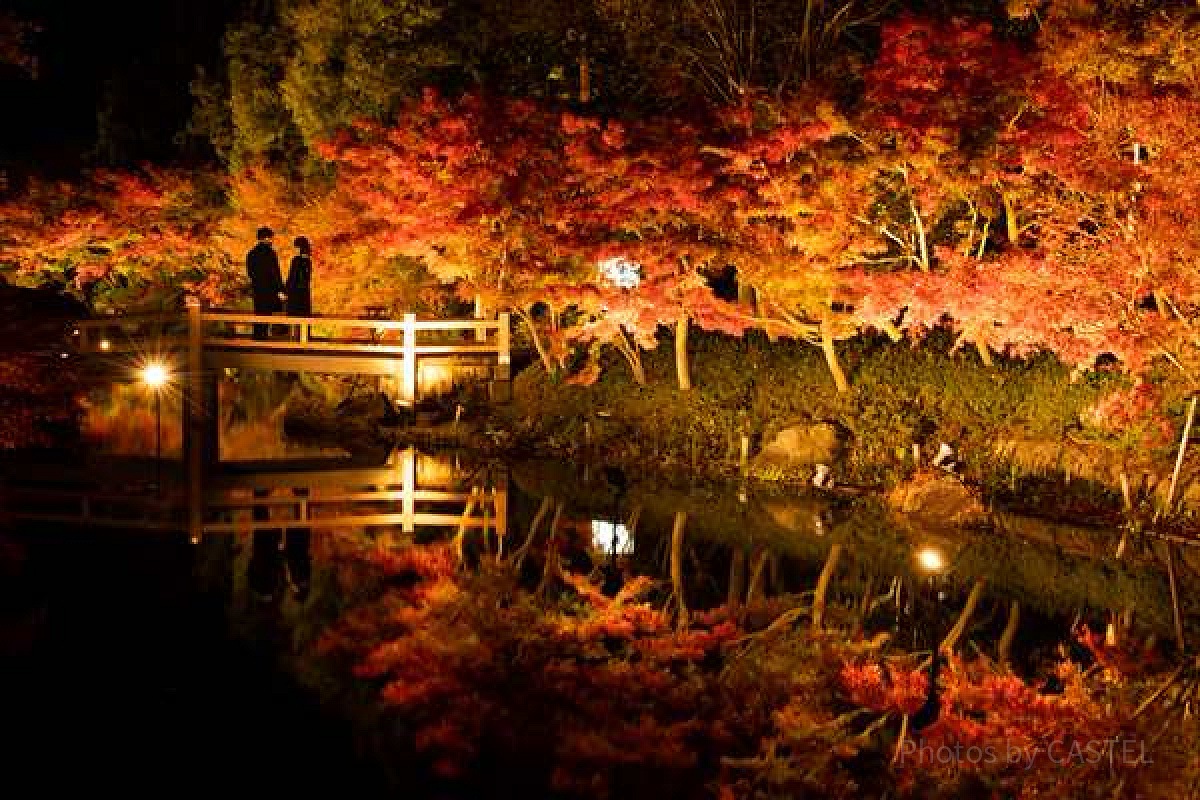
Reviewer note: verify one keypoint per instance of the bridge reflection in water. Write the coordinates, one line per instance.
(409, 492)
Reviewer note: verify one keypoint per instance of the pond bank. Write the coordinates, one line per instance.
(1021, 431)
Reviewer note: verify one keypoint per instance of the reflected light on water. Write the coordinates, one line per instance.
(437, 470)
(611, 538)
(931, 559)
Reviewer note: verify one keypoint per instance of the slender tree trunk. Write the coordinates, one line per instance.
(460, 536)
(1010, 218)
(1161, 302)
(892, 331)
(864, 605)
(737, 580)
(683, 369)
(964, 618)
(839, 377)
(831, 562)
(543, 354)
(1004, 648)
(1183, 440)
(634, 516)
(922, 245)
(984, 353)
(755, 590)
(630, 351)
(543, 510)
(746, 297)
(551, 566)
(1176, 613)
(677, 531)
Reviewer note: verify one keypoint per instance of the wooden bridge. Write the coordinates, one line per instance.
(197, 345)
(319, 494)
(198, 342)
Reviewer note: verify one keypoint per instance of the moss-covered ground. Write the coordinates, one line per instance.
(900, 395)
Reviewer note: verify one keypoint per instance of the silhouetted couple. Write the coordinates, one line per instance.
(271, 294)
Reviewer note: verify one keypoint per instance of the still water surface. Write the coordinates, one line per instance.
(143, 657)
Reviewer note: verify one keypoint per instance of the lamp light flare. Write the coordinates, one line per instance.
(105, 344)
(930, 559)
(154, 375)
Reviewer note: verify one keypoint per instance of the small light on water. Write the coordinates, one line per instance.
(930, 559)
(611, 538)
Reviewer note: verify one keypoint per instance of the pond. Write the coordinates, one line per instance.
(444, 623)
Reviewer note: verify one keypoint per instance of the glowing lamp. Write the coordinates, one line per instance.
(930, 559)
(154, 375)
(621, 272)
(105, 345)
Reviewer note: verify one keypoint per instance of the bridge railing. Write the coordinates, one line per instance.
(132, 333)
(391, 496)
(234, 329)
(195, 331)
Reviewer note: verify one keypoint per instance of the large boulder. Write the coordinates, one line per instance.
(936, 495)
(801, 446)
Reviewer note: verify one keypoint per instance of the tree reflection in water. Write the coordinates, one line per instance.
(523, 663)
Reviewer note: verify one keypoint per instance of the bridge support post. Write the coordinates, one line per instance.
(408, 476)
(501, 387)
(480, 314)
(408, 376)
(199, 420)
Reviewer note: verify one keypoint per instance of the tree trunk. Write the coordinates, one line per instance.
(818, 611)
(984, 353)
(1183, 440)
(1004, 648)
(544, 509)
(864, 605)
(755, 590)
(1010, 218)
(839, 377)
(682, 368)
(629, 349)
(677, 530)
(737, 580)
(547, 363)
(746, 297)
(631, 524)
(964, 619)
(1175, 612)
(461, 535)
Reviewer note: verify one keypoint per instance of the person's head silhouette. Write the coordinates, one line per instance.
(265, 234)
(303, 245)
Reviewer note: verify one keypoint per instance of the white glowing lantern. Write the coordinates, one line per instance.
(611, 538)
(621, 272)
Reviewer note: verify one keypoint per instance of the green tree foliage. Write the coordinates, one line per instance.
(311, 68)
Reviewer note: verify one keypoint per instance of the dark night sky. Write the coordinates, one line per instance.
(134, 58)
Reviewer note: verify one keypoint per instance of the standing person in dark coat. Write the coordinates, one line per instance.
(266, 284)
(299, 280)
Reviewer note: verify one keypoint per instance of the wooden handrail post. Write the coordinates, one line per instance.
(408, 383)
(480, 333)
(502, 378)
